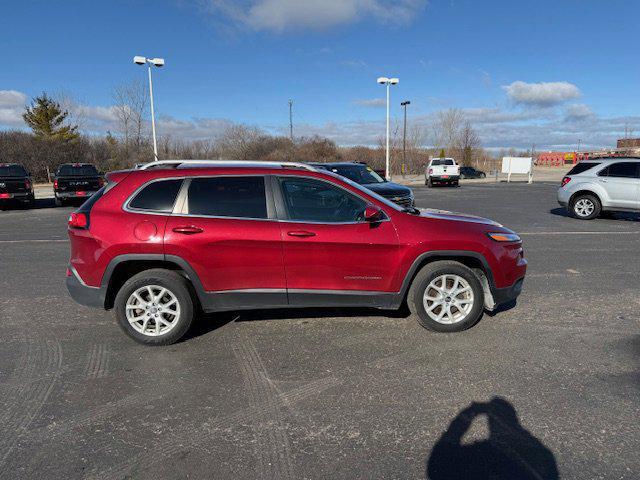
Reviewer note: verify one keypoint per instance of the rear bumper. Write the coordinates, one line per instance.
(87, 194)
(19, 196)
(508, 294)
(450, 178)
(83, 294)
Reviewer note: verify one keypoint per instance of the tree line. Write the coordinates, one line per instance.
(56, 138)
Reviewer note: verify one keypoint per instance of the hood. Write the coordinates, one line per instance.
(388, 189)
(456, 217)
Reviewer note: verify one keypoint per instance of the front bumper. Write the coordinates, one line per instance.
(84, 294)
(508, 294)
(403, 201)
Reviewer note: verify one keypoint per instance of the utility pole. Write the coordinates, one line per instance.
(404, 138)
(291, 119)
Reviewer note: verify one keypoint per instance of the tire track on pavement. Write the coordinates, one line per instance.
(97, 362)
(33, 381)
(197, 433)
(272, 447)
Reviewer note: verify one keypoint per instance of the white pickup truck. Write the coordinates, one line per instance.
(443, 171)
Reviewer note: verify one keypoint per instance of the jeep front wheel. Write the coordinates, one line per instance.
(155, 307)
(446, 296)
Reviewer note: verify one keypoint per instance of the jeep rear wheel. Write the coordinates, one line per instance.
(446, 296)
(155, 307)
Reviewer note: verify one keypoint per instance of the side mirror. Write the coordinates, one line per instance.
(372, 213)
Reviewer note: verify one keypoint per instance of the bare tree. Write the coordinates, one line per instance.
(237, 142)
(131, 103)
(468, 141)
(446, 129)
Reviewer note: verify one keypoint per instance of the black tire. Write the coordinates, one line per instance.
(483, 175)
(582, 201)
(430, 183)
(173, 282)
(420, 284)
(58, 202)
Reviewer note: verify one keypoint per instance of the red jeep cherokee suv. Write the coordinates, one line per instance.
(160, 243)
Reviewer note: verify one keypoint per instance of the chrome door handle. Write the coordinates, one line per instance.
(188, 230)
(301, 233)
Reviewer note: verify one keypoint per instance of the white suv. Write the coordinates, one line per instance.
(607, 184)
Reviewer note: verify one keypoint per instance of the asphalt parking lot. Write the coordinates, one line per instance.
(547, 389)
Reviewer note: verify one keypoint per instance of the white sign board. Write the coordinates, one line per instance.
(521, 165)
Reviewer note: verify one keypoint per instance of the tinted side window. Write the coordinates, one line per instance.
(157, 196)
(582, 167)
(241, 197)
(316, 201)
(621, 170)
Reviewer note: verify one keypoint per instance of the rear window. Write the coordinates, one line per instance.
(582, 167)
(12, 171)
(240, 197)
(77, 171)
(442, 162)
(157, 196)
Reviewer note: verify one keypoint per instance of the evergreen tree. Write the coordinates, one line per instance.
(46, 118)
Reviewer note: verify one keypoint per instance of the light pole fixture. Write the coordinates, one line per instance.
(387, 81)
(157, 62)
(404, 136)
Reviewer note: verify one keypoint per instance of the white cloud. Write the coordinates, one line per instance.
(578, 111)
(354, 63)
(370, 102)
(282, 15)
(542, 94)
(12, 105)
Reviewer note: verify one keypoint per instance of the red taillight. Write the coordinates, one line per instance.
(55, 184)
(565, 180)
(78, 220)
(5, 195)
(430, 171)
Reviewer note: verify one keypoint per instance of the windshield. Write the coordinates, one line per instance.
(358, 173)
(442, 161)
(12, 171)
(77, 171)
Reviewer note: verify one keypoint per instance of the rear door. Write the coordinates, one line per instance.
(327, 244)
(621, 180)
(228, 233)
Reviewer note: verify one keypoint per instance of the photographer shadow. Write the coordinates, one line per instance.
(510, 451)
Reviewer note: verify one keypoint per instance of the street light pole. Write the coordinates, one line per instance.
(388, 82)
(153, 117)
(158, 62)
(404, 137)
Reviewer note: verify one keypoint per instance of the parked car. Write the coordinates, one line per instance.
(160, 243)
(471, 172)
(15, 185)
(367, 177)
(73, 181)
(603, 185)
(442, 171)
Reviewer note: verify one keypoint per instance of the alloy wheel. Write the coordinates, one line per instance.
(448, 299)
(153, 310)
(584, 207)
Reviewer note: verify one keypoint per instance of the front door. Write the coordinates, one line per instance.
(328, 247)
(228, 233)
(622, 183)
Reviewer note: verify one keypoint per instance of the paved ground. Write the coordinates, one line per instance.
(549, 388)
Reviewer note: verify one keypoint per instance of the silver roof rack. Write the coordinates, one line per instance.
(224, 163)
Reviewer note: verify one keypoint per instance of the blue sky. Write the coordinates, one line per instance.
(547, 72)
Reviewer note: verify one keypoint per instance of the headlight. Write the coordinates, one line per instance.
(504, 237)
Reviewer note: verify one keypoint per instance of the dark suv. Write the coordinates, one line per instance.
(369, 178)
(160, 243)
